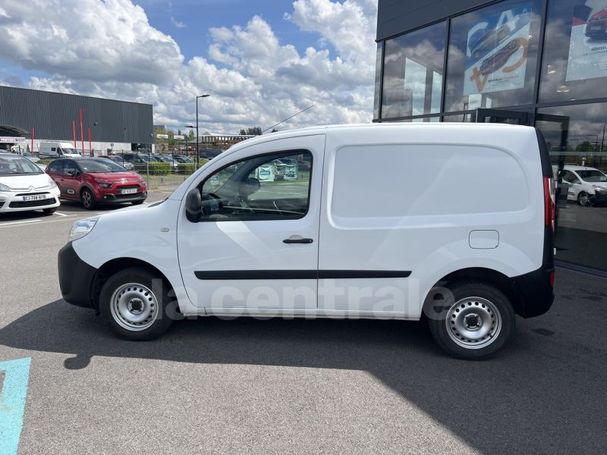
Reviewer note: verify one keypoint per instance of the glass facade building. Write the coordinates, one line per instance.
(531, 62)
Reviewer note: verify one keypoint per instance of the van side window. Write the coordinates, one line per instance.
(265, 187)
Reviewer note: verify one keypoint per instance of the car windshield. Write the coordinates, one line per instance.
(593, 176)
(10, 166)
(99, 166)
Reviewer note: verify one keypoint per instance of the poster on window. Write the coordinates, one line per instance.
(496, 52)
(588, 43)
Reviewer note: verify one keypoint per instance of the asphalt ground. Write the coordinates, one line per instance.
(292, 386)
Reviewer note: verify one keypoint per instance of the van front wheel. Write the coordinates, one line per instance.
(472, 321)
(136, 304)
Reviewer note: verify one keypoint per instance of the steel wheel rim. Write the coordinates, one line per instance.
(584, 200)
(473, 322)
(134, 307)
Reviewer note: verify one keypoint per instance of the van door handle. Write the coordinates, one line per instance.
(297, 239)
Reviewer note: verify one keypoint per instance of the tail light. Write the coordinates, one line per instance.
(549, 203)
(552, 279)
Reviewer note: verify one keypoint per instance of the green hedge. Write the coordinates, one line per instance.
(186, 168)
(157, 168)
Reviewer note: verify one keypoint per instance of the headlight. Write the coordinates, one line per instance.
(81, 228)
(598, 188)
(104, 185)
(51, 183)
(4, 188)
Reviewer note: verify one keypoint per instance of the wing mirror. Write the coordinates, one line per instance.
(193, 206)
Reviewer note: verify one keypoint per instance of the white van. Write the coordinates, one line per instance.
(391, 221)
(58, 149)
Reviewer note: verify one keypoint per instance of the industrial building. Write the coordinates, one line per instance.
(94, 125)
(531, 62)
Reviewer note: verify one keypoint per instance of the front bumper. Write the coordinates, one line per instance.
(599, 197)
(120, 198)
(76, 278)
(16, 201)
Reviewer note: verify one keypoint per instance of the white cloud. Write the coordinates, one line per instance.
(110, 49)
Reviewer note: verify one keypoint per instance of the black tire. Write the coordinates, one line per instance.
(87, 199)
(137, 286)
(474, 309)
(49, 211)
(583, 199)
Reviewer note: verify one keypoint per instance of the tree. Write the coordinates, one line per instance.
(255, 131)
(585, 146)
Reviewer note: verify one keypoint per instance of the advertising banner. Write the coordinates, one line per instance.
(588, 42)
(496, 51)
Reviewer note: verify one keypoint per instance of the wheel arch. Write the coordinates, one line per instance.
(489, 276)
(116, 265)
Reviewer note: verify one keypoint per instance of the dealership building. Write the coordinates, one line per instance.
(530, 62)
(29, 117)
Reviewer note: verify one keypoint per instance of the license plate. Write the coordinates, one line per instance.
(128, 191)
(35, 197)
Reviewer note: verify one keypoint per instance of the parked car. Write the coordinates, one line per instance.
(168, 159)
(57, 149)
(183, 159)
(94, 181)
(138, 160)
(121, 161)
(596, 27)
(24, 186)
(587, 185)
(436, 232)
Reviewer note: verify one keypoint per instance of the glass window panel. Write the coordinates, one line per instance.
(578, 148)
(264, 187)
(493, 56)
(377, 105)
(413, 68)
(575, 50)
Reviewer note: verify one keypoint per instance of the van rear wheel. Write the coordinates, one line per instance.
(136, 303)
(473, 321)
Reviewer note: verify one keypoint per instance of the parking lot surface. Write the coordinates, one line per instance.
(292, 386)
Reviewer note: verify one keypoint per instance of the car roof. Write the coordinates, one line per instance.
(572, 167)
(339, 130)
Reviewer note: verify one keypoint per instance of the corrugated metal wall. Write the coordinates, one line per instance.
(398, 16)
(51, 114)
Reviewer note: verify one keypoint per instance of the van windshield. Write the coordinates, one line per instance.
(593, 176)
(10, 166)
(69, 150)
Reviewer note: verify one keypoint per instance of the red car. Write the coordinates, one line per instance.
(95, 181)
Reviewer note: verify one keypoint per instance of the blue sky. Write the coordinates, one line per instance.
(261, 60)
(188, 21)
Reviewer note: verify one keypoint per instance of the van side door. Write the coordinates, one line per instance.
(255, 249)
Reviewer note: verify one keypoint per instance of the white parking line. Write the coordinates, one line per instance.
(16, 223)
(63, 214)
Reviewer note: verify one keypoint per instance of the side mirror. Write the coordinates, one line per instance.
(72, 173)
(193, 206)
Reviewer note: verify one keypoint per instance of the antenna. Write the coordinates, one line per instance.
(289, 118)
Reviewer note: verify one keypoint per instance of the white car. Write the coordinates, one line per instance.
(340, 241)
(24, 186)
(587, 185)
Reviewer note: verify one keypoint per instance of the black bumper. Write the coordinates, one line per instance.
(76, 278)
(121, 198)
(534, 292)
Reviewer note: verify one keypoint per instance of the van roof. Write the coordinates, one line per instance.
(337, 129)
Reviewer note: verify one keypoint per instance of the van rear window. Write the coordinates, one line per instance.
(414, 180)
